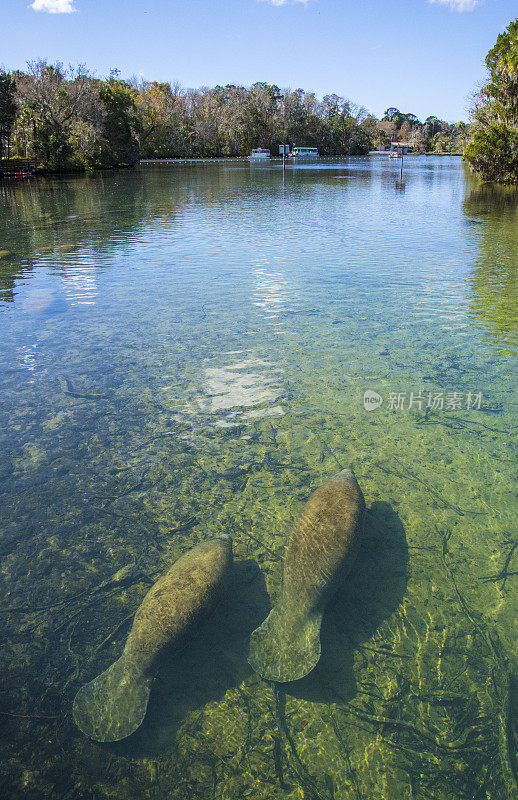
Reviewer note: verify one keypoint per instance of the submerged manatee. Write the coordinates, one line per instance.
(319, 553)
(114, 704)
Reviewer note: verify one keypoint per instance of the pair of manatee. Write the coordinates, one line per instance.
(319, 553)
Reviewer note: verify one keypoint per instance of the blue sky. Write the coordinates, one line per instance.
(421, 56)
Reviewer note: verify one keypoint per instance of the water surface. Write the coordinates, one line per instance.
(185, 352)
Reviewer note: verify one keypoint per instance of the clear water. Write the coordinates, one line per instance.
(184, 353)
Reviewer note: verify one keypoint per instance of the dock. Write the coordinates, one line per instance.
(16, 168)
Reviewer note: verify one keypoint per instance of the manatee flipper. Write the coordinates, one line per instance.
(114, 704)
(284, 649)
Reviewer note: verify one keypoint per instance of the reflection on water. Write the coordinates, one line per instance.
(494, 280)
(185, 353)
(245, 383)
(271, 292)
(79, 284)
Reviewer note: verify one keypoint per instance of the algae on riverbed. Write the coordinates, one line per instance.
(155, 418)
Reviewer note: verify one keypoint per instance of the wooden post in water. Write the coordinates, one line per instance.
(400, 151)
(285, 150)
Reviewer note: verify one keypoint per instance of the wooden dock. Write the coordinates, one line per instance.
(16, 168)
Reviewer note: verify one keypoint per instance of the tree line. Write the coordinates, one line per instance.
(66, 118)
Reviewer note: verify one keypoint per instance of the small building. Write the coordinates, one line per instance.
(401, 148)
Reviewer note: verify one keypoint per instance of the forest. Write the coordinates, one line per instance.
(66, 118)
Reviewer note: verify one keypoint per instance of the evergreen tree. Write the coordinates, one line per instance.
(493, 153)
(7, 109)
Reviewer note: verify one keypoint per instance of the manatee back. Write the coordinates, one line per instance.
(320, 551)
(324, 542)
(114, 704)
(178, 599)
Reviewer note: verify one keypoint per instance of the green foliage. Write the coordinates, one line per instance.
(493, 153)
(432, 135)
(120, 122)
(50, 144)
(7, 107)
(391, 114)
(399, 118)
(69, 119)
(503, 57)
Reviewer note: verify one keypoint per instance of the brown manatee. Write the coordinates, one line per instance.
(114, 704)
(319, 553)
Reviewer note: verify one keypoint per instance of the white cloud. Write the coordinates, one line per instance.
(54, 6)
(284, 2)
(458, 5)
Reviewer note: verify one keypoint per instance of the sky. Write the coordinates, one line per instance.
(424, 57)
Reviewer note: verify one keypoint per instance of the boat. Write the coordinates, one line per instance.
(304, 152)
(259, 154)
(18, 175)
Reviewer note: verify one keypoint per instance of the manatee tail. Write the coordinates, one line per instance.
(282, 649)
(114, 704)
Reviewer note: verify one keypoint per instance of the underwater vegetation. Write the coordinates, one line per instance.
(411, 682)
(147, 409)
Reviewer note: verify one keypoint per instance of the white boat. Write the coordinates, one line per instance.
(304, 152)
(259, 154)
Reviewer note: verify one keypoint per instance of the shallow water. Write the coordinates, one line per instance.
(185, 352)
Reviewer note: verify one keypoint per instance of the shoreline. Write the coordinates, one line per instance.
(31, 172)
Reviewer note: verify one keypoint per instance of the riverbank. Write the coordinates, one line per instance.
(16, 169)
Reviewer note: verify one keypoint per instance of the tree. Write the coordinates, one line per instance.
(51, 101)
(433, 124)
(120, 123)
(7, 108)
(69, 119)
(418, 138)
(391, 113)
(387, 131)
(493, 152)
(405, 131)
(161, 109)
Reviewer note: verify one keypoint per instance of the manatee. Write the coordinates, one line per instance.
(113, 705)
(319, 553)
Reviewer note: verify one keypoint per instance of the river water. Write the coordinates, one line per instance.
(185, 352)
